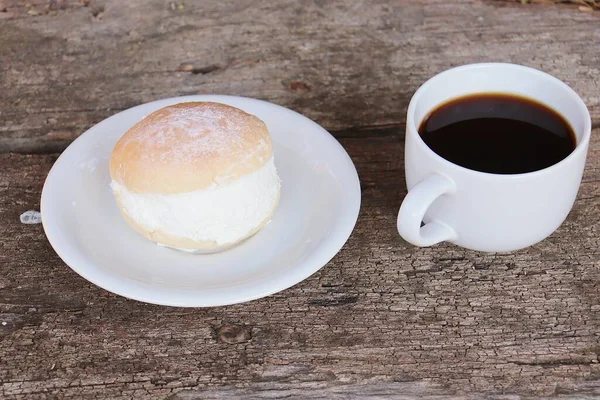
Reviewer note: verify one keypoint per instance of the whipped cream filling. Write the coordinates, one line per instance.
(220, 213)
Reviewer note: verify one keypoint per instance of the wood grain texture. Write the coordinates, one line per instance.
(345, 63)
(383, 319)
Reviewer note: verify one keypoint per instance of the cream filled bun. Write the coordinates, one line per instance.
(196, 176)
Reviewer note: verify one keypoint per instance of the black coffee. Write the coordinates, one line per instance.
(498, 133)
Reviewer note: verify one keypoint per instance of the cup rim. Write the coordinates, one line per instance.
(579, 148)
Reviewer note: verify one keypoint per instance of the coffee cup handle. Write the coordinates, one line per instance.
(415, 205)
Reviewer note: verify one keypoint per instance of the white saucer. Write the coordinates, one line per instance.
(319, 207)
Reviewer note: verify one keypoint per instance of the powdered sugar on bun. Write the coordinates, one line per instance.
(190, 146)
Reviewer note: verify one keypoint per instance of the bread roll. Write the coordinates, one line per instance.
(196, 176)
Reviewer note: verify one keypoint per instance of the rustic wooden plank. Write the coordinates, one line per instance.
(381, 390)
(383, 319)
(66, 65)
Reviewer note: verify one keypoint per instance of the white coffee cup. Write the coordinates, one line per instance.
(478, 210)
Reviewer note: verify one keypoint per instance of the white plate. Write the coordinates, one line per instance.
(319, 207)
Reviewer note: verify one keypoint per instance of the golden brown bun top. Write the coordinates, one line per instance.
(190, 146)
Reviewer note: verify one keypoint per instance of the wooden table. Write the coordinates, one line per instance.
(384, 319)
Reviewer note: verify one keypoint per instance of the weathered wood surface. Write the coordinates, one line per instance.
(382, 313)
(341, 63)
(383, 319)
